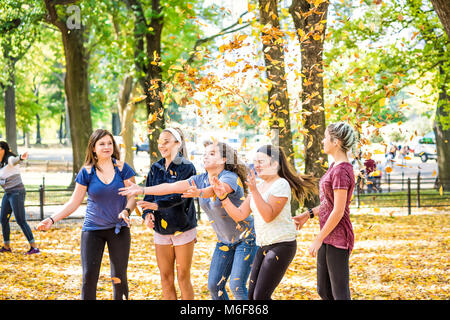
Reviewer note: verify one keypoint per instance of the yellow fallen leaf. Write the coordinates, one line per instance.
(163, 223)
(224, 248)
(441, 191)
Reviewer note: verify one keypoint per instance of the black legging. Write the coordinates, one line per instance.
(333, 273)
(92, 247)
(269, 267)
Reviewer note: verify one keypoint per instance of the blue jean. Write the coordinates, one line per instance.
(14, 202)
(234, 264)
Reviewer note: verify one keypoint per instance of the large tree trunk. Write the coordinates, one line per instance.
(442, 129)
(10, 106)
(442, 8)
(278, 99)
(76, 85)
(77, 92)
(126, 114)
(310, 29)
(149, 42)
(442, 133)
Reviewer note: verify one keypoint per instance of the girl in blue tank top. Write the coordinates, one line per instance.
(107, 214)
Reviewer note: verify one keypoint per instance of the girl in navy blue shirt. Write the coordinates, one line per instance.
(107, 214)
(171, 216)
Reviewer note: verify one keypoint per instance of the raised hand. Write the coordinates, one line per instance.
(251, 181)
(192, 192)
(131, 189)
(218, 187)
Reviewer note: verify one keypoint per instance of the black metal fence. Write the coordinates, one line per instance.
(43, 198)
(404, 192)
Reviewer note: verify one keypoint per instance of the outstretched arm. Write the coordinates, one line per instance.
(158, 190)
(70, 207)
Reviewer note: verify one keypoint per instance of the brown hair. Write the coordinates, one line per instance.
(91, 157)
(232, 163)
(304, 186)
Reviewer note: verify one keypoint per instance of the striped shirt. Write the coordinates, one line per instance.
(10, 178)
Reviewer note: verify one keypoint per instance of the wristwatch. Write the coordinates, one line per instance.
(311, 213)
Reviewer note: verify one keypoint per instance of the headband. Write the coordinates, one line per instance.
(175, 133)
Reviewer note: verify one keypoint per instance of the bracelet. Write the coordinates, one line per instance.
(226, 196)
(53, 221)
(311, 213)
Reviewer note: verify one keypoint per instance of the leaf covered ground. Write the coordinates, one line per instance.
(395, 257)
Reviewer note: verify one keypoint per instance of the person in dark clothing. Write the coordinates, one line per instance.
(172, 217)
(370, 167)
(13, 200)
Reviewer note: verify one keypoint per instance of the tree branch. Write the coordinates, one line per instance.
(221, 33)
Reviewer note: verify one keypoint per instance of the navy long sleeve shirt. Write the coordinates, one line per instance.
(178, 212)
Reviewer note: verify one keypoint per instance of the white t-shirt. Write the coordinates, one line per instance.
(280, 229)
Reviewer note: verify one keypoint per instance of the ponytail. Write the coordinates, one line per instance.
(304, 186)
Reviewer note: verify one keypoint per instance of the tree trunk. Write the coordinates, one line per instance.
(310, 29)
(38, 129)
(442, 8)
(76, 85)
(126, 114)
(10, 106)
(278, 99)
(149, 42)
(441, 126)
(442, 133)
(77, 92)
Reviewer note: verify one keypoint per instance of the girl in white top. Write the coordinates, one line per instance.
(270, 202)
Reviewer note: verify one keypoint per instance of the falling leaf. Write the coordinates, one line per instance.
(163, 223)
(224, 248)
(388, 169)
(246, 258)
(116, 280)
(441, 191)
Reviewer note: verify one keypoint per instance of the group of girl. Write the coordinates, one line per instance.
(261, 245)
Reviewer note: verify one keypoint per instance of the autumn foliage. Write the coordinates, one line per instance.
(395, 257)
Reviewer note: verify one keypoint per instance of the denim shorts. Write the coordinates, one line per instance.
(176, 239)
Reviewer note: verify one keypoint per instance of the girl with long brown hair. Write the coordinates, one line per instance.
(270, 202)
(107, 214)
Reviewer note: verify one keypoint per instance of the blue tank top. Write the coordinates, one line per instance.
(104, 202)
